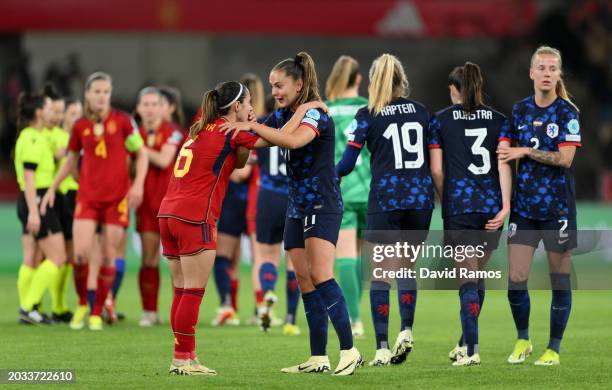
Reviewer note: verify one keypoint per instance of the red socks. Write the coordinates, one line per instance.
(234, 294)
(185, 321)
(176, 299)
(106, 277)
(148, 280)
(80, 273)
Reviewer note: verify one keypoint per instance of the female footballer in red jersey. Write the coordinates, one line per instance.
(190, 209)
(105, 136)
(161, 143)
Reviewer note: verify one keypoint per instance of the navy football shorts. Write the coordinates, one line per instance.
(469, 229)
(271, 214)
(559, 235)
(232, 220)
(324, 226)
(398, 225)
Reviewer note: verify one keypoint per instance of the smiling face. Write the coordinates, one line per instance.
(284, 88)
(545, 72)
(244, 109)
(98, 96)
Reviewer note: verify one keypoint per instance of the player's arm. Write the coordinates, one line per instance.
(505, 183)
(294, 123)
(562, 158)
(164, 157)
(64, 171)
(136, 191)
(437, 172)
(242, 157)
(29, 178)
(348, 161)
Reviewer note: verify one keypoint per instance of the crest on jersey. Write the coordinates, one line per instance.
(313, 114)
(512, 230)
(573, 126)
(112, 127)
(552, 130)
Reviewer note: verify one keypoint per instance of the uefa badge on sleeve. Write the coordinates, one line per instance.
(552, 130)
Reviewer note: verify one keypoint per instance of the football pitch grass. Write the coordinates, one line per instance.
(128, 356)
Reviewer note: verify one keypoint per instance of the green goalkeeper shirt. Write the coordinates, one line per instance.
(356, 186)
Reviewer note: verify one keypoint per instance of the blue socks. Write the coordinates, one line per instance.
(560, 308)
(379, 304)
(406, 297)
(222, 279)
(518, 296)
(333, 299)
(316, 316)
(119, 271)
(470, 310)
(267, 277)
(293, 297)
(481, 298)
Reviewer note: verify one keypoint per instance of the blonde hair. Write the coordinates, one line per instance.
(343, 76)
(302, 67)
(386, 77)
(560, 88)
(87, 111)
(255, 87)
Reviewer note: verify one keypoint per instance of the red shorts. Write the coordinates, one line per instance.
(107, 213)
(179, 238)
(146, 220)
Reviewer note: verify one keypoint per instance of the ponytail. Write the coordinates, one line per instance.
(343, 76)
(560, 88)
(468, 81)
(302, 67)
(218, 102)
(387, 78)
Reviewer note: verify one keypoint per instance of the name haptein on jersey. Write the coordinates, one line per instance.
(398, 109)
(478, 114)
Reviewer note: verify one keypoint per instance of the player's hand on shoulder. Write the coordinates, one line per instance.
(236, 127)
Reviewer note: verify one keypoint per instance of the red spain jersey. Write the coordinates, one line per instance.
(201, 173)
(104, 169)
(156, 181)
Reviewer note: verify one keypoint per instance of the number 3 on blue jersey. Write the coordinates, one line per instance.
(478, 150)
(402, 142)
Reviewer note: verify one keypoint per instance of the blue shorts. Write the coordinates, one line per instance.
(395, 226)
(232, 220)
(559, 235)
(469, 229)
(324, 226)
(271, 214)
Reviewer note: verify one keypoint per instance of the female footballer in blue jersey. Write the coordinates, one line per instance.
(314, 209)
(401, 191)
(546, 132)
(475, 190)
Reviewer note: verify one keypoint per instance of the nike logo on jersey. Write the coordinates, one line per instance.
(308, 228)
(521, 127)
(561, 242)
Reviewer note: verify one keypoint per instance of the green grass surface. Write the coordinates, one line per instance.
(127, 356)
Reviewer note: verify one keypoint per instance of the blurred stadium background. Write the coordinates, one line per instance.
(194, 44)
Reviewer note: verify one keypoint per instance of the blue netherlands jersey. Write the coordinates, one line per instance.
(544, 192)
(272, 164)
(469, 143)
(313, 183)
(396, 139)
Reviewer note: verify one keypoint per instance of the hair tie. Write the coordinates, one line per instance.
(234, 99)
(297, 59)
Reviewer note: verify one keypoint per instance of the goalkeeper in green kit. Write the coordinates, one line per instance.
(342, 91)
